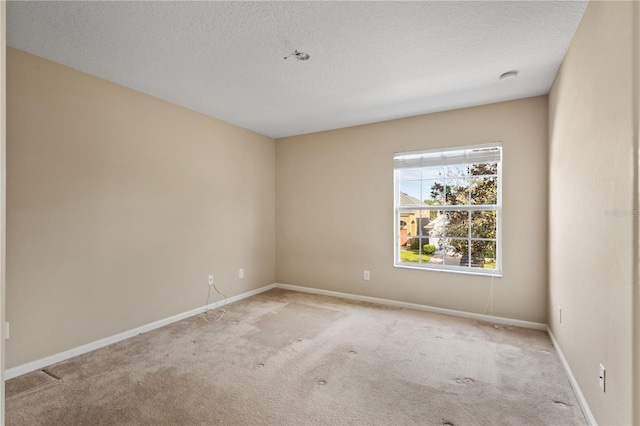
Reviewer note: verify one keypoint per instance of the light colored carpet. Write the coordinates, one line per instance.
(288, 358)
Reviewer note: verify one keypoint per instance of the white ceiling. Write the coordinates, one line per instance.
(370, 61)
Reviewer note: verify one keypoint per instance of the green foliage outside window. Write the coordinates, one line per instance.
(479, 187)
(428, 249)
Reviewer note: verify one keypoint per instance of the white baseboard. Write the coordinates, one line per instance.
(574, 383)
(427, 308)
(63, 356)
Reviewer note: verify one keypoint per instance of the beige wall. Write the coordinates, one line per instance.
(636, 277)
(591, 173)
(3, 26)
(119, 205)
(327, 178)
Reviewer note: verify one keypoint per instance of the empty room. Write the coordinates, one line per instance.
(320, 213)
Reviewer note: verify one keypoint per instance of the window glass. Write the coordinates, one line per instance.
(448, 209)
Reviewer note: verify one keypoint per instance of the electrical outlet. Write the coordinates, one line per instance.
(366, 275)
(241, 273)
(602, 377)
(560, 315)
(210, 279)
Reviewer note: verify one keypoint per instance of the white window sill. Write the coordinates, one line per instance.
(478, 271)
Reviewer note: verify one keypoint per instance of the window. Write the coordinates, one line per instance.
(448, 209)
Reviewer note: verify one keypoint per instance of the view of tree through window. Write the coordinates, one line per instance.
(448, 209)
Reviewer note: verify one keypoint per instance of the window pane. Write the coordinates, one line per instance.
(410, 252)
(438, 256)
(403, 228)
(457, 171)
(424, 222)
(483, 254)
(483, 224)
(409, 193)
(433, 192)
(457, 224)
(483, 169)
(436, 224)
(484, 190)
(457, 191)
(408, 256)
(454, 249)
(433, 173)
(409, 224)
(410, 174)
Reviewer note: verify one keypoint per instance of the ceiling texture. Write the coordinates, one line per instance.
(369, 61)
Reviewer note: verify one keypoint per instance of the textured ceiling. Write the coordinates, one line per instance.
(370, 61)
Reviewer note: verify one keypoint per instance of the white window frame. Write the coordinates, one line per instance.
(460, 155)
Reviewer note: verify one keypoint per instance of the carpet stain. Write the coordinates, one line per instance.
(560, 404)
(321, 382)
(303, 321)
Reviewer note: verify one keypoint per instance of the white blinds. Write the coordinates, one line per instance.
(490, 153)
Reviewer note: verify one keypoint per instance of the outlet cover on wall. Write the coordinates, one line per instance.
(210, 279)
(241, 273)
(602, 378)
(366, 275)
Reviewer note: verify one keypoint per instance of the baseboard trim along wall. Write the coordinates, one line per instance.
(63, 356)
(572, 379)
(427, 308)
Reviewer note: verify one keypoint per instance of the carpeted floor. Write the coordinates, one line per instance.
(288, 358)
